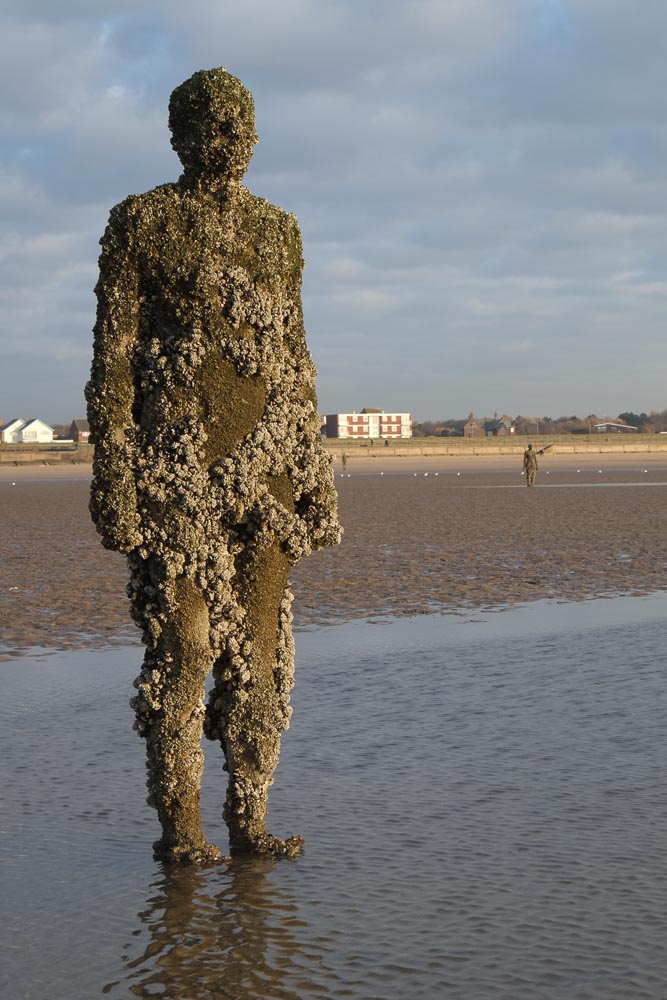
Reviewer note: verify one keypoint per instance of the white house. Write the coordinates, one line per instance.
(32, 431)
(10, 431)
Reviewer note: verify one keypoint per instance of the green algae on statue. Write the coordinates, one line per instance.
(209, 471)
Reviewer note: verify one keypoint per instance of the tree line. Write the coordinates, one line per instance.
(646, 423)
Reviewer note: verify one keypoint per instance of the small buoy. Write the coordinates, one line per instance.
(600, 471)
(547, 472)
(414, 473)
(13, 484)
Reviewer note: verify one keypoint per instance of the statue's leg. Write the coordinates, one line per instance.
(170, 710)
(249, 707)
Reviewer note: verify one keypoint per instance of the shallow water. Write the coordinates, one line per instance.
(482, 799)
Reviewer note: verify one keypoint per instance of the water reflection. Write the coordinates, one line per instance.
(482, 799)
(225, 932)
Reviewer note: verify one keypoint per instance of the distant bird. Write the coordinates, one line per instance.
(382, 473)
(13, 484)
(600, 471)
(645, 470)
(458, 473)
(436, 473)
(426, 473)
(547, 472)
(578, 470)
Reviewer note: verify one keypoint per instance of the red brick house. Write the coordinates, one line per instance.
(79, 431)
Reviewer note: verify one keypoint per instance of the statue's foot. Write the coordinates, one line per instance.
(266, 845)
(188, 854)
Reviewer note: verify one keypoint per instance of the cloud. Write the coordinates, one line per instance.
(524, 346)
(471, 179)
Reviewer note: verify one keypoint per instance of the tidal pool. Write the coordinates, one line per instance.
(481, 795)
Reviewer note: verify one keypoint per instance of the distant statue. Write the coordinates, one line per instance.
(209, 470)
(530, 464)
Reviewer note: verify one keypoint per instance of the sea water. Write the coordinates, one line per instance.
(482, 799)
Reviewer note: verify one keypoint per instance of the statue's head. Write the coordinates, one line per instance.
(212, 122)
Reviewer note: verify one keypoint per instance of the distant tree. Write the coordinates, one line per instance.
(566, 425)
(452, 428)
(638, 420)
(657, 421)
(438, 428)
(525, 425)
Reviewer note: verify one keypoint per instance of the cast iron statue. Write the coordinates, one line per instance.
(209, 472)
(530, 464)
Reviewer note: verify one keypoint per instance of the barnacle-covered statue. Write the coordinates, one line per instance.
(209, 472)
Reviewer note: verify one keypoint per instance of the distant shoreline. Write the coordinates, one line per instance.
(386, 450)
(391, 460)
(606, 444)
(415, 542)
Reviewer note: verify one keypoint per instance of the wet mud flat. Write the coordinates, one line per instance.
(414, 543)
(481, 792)
(481, 797)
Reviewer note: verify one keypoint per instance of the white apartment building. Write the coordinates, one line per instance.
(369, 423)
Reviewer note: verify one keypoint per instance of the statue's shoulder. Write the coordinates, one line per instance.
(263, 212)
(141, 210)
(275, 230)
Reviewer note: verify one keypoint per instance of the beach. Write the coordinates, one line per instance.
(422, 534)
(480, 788)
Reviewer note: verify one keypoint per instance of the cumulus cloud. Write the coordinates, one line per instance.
(478, 185)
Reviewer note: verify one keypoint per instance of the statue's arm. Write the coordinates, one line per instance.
(315, 498)
(110, 391)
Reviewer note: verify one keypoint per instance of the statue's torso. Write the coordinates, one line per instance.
(218, 288)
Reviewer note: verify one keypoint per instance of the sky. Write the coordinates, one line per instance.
(480, 186)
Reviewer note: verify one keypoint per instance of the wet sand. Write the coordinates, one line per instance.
(482, 800)
(503, 795)
(421, 535)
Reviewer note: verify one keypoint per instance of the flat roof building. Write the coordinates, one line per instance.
(610, 427)
(369, 423)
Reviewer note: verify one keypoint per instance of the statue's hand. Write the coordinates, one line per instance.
(113, 507)
(118, 534)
